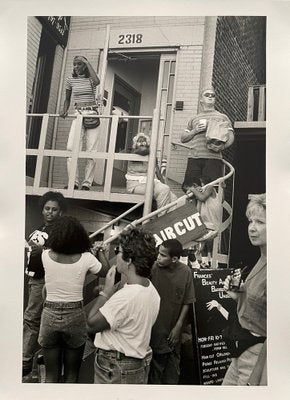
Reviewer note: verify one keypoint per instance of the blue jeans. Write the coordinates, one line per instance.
(31, 321)
(63, 324)
(114, 367)
(164, 368)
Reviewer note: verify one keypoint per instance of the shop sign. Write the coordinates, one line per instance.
(213, 355)
(184, 224)
(58, 27)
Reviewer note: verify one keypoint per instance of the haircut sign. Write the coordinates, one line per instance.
(183, 224)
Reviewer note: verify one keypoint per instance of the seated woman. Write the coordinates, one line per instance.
(66, 261)
(136, 177)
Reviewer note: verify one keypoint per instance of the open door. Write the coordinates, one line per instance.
(126, 101)
(164, 100)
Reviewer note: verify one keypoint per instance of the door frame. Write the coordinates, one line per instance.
(132, 124)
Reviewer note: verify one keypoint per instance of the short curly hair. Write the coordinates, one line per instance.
(140, 134)
(68, 236)
(53, 196)
(139, 245)
(257, 203)
(173, 246)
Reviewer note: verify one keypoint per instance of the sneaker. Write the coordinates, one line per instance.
(84, 187)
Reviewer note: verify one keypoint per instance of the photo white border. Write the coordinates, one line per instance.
(13, 19)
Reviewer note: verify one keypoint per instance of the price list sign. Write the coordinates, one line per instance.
(211, 312)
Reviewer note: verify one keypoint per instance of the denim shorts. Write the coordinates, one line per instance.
(63, 324)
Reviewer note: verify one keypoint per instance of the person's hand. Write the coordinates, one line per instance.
(63, 114)
(212, 304)
(83, 59)
(200, 127)
(174, 336)
(191, 189)
(216, 147)
(35, 250)
(109, 287)
(100, 98)
(98, 245)
(227, 283)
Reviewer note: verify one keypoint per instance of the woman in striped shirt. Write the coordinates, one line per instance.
(82, 84)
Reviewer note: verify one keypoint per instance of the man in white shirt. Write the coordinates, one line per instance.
(123, 319)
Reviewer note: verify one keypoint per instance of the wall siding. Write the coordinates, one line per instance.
(187, 87)
(34, 29)
(235, 65)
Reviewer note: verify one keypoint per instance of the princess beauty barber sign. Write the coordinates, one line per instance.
(183, 224)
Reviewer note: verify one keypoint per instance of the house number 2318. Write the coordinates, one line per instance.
(130, 38)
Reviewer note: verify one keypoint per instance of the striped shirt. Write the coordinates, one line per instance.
(83, 89)
(198, 142)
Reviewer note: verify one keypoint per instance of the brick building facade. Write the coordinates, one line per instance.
(228, 52)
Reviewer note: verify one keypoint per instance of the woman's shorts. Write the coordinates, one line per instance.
(63, 324)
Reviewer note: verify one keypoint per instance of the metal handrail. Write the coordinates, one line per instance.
(175, 202)
(115, 220)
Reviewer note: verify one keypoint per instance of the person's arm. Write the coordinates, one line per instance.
(175, 333)
(234, 295)
(190, 132)
(213, 303)
(230, 140)
(92, 72)
(201, 195)
(35, 249)
(105, 263)
(158, 173)
(96, 321)
(44, 293)
(66, 103)
(99, 251)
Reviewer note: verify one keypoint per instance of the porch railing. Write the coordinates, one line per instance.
(109, 155)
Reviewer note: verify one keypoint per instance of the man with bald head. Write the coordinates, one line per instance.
(208, 134)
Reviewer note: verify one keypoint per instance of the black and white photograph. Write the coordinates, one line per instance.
(152, 172)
